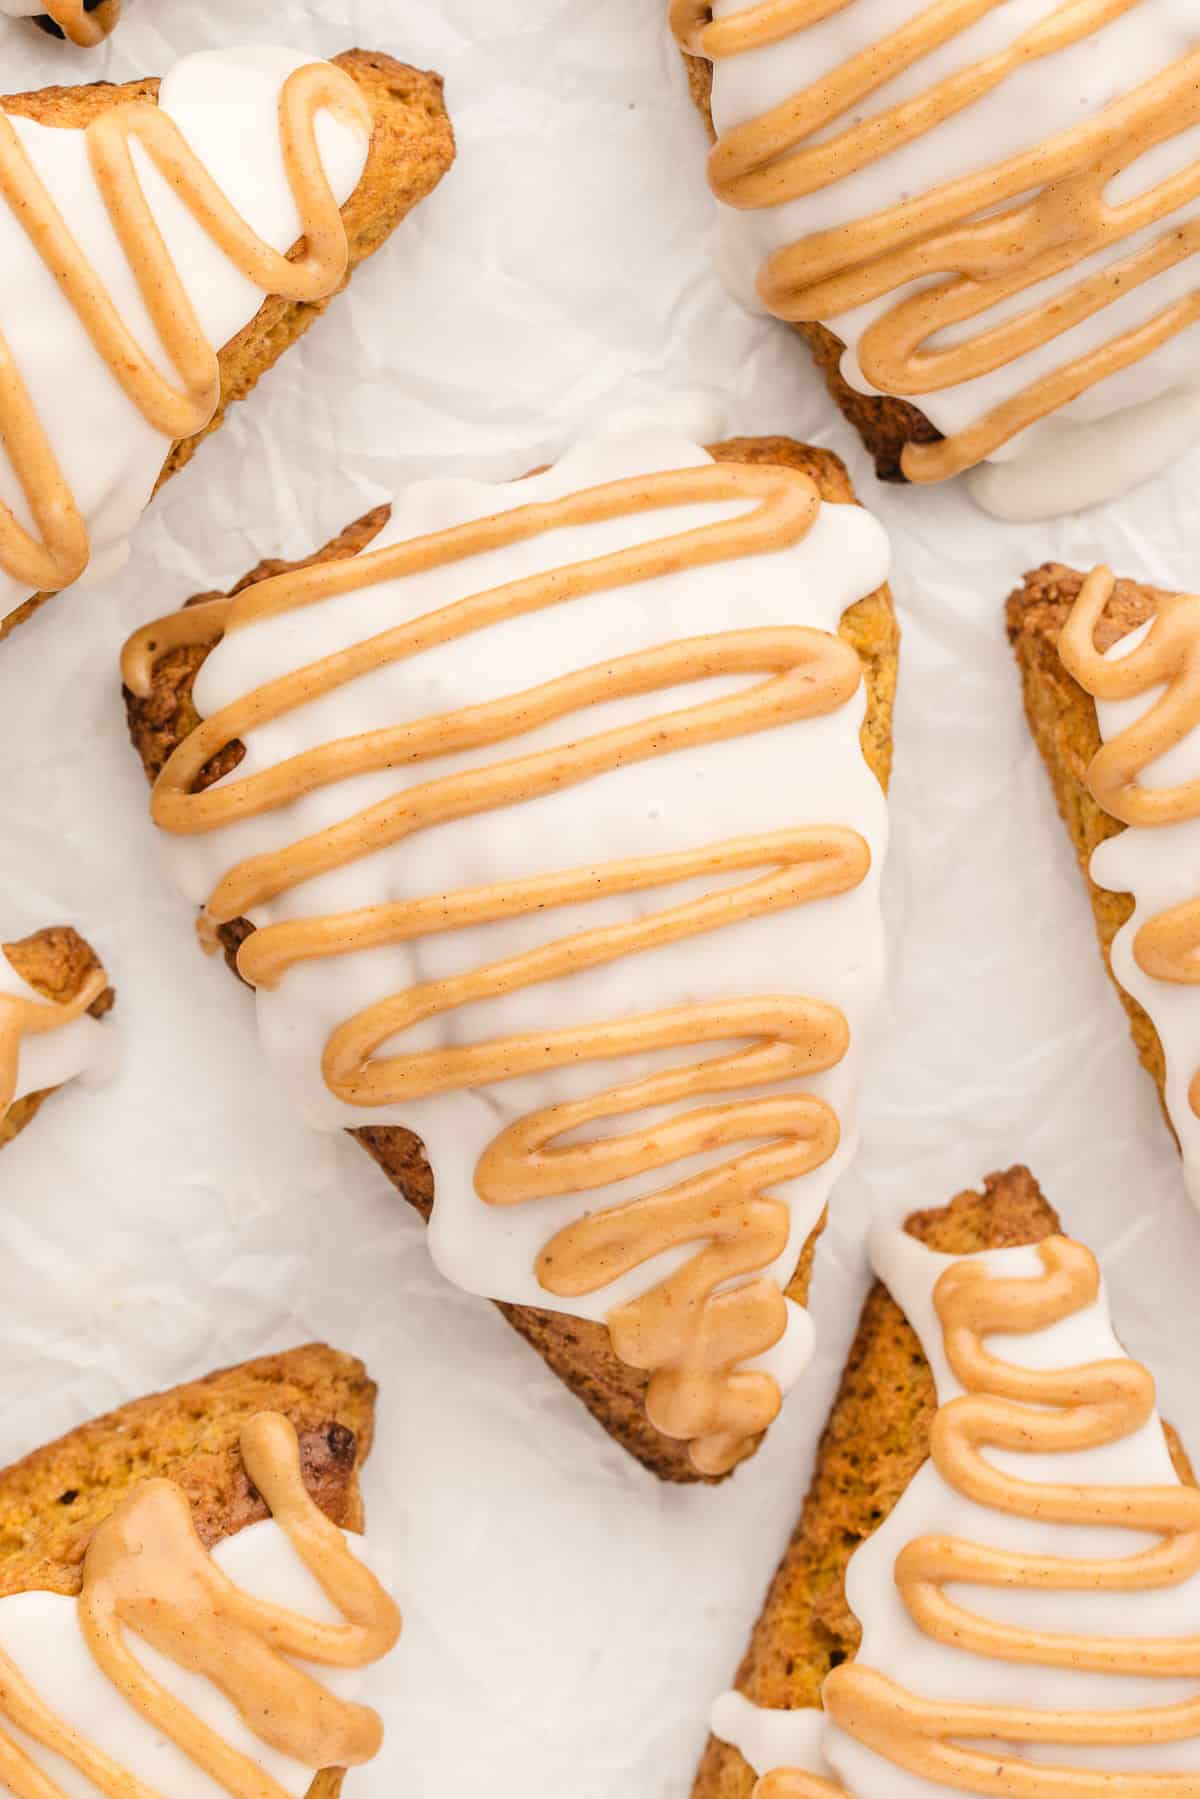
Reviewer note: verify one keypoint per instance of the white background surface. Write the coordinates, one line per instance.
(567, 1619)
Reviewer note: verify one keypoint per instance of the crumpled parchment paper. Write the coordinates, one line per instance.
(567, 1620)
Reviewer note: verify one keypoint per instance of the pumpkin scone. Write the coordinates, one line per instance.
(53, 993)
(133, 312)
(982, 220)
(969, 1603)
(531, 794)
(1109, 670)
(169, 1576)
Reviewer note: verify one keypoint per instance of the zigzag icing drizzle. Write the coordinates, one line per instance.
(1147, 775)
(543, 966)
(1026, 1608)
(112, 310)
(961, 192)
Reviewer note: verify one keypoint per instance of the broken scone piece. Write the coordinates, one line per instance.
(547, 821)
(53, 994)
(992, 1588)
(981, 217)
(161, 244)
(1111, 673)
(186, 1605)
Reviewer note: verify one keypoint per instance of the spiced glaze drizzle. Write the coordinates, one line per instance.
(979, 239)
(147, 1575)
(79, 26)
(1038, 1412)
(59, 551)
(691, 1331)
(1167, 946)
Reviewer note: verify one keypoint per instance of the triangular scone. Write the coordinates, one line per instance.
(57, 1506)
(874, 1455)
(52, 988)
(611, 834)
(929, 198)
(411, 146)
(1063, 717)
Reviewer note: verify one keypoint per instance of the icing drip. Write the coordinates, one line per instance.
(1161, 668)
(693, 1332)
(961, 287)
(80, 27)
(25, 1016)
(123, 145)
(146, 1575)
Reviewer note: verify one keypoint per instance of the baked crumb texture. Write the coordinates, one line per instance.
(577, 1350)
(412, 147)
(53, 1500)
(884, 424)
(1063, 720)
(56, 963)
(876, 1439)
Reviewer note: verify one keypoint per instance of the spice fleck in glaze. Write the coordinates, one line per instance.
(1028, 1608)
(154, 1600)
(1147, 776)
(429, 721)
(146, 261)
(995, 204)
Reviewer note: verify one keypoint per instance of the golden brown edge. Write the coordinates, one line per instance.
(56, 961)
(872, 1447)
(578, 1351)
(1062, 719)
(411, 149)
(52, 1500)
(884, 424)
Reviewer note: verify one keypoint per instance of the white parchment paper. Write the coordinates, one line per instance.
(567, 1619)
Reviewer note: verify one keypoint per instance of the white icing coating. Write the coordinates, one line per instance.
(1037, 100)
(81, 1049)
(1160, 867)
(41, 1634)
(894, 1645)
(811, 772)
(767, 1739)
(226, 102)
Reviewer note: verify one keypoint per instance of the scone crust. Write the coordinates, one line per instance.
(53, 1500)
(577, 1350)
(1062, 718)
(884, 424)
(55, 962)
(411, 149)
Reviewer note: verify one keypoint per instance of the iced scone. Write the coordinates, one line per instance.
(982, 217)
(53, 995)
(546, 820)
(187, 1603)
(161, 244)
(993, 1584)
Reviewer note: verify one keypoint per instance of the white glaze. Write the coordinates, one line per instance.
(810, 772)
(40, 1632)
(1035, 102)
(1160, 867)
(895, 1646)
(81, 1049)
(226, 104)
